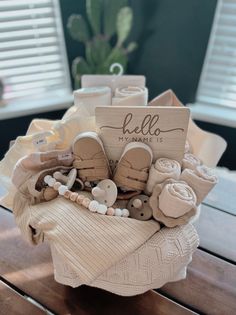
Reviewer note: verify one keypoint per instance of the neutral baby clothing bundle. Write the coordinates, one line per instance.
(122, 255)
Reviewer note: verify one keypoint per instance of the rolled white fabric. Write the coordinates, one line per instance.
(176, 199)
(130, 96)
(87, 99)
(202, 180)
(190, 161)
(160, 171)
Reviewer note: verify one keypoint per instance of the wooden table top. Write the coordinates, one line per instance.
(27, 285)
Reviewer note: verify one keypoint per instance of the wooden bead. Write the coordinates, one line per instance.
(73, 196)
(110, 211)
(49, 193)
(67, 194)
(80, 199)
(86, 202)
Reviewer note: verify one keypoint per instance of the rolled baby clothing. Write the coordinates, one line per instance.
(176, 199)
(174, 203)
(112, 81)
(130, 96)
(160, 171)
(190, 161)
(201, 180)
(87, 99)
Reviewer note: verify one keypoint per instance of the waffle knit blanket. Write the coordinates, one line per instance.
(124, 256)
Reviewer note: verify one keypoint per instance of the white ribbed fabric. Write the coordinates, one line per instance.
(87, 99)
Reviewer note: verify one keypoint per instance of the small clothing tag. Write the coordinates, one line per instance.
(65, 156)
(39, 140)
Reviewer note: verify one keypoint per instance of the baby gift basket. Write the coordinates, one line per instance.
(114, 186)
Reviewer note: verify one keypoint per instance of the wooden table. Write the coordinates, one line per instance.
(27, 285)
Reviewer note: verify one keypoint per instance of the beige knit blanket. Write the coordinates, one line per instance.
(163, 258)
(89, 243)
(123, 256)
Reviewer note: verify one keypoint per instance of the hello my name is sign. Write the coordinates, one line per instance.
(164, 129)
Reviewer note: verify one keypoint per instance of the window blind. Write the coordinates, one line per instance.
(217, 84)
(32, 50)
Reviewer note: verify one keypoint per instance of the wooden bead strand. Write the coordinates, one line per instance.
(92, 205)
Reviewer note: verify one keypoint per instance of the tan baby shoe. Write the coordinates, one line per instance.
(132, 169)
(90, 157)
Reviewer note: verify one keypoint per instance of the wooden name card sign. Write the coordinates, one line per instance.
(164, 129)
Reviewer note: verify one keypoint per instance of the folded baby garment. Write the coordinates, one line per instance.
(201, 180)
(130, 96)
(173, 203)
(162, 169)
(190, 161)
(87, 99)
(176, 199)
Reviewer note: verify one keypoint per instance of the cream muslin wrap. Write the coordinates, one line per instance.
(190, 161)
(202, 180)
(174, 203)
(87, 99)
(130, 96)
(160, 171)
(176, 199)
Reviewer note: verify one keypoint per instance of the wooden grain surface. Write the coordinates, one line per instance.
(30, 269)
(223, 196)
(217, 232)
(11, 303)
(210, 286)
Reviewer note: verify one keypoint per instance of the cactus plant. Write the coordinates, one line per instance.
(109, 21)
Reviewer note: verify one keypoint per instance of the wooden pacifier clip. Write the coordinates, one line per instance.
(92, 205)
